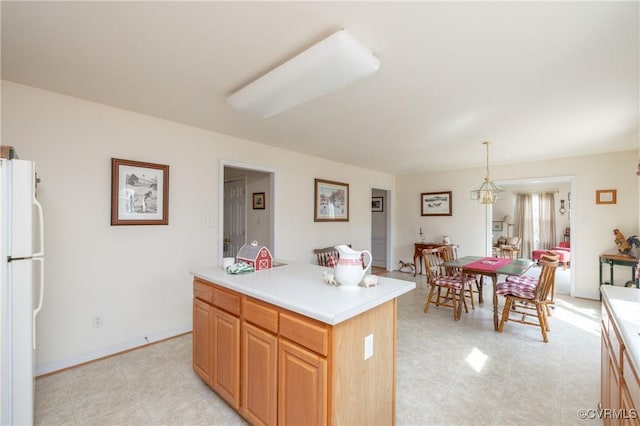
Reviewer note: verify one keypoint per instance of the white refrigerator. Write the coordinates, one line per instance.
(21, 286)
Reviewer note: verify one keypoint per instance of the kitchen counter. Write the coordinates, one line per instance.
(625, 312)
(301, 288)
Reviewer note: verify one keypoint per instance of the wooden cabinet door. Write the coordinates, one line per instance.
(302, 386)
(629, 413)
(259, 375)
(226, 357)
(202, 327)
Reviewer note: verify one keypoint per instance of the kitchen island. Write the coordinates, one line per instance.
(281, 346)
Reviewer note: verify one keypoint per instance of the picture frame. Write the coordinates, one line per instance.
(496, 225)
(139, 193)
(606, 196)
(435, 203)
(377, 204)
(331, 201)
(258, 201)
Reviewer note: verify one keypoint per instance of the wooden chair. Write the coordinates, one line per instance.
(548, 256)
(328, 256)
(439, 280)
(450, 252)
(524, 297)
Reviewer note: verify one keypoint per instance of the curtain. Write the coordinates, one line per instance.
(547, 221)
(523, 226)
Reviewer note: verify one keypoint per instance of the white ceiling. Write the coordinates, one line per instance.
(538, 79)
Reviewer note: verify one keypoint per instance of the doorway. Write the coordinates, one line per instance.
(246, 207)
(502, 213)
(380, 229)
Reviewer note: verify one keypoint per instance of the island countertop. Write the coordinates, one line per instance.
(625, 310)
(300, 288)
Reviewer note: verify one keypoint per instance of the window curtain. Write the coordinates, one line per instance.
(547, 220)
(523, 223)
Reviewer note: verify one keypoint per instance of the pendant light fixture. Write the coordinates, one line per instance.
(488, 192)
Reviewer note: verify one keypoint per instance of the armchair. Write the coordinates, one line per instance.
(511, 248)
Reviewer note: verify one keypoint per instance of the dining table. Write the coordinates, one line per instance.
(489, 267)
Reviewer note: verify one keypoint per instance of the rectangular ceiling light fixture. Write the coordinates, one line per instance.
(332, 63)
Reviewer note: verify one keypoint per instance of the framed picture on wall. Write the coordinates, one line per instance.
(606, 196)
(377, 204)
(258, 201)
(496, 225)
(139, 193)
(331, 201)
(435, 203)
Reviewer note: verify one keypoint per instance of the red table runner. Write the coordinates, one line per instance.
(489, 264)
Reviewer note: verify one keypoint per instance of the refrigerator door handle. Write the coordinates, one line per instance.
(41, 226)
(40, 297)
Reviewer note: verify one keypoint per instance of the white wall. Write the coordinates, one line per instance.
(137, 277)
(592, 233)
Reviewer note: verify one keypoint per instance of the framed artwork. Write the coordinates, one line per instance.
(606, 196)
(258, 200)
(139, 193)
(496, 225)
(331, 201)
(435, 203)
(377, 204)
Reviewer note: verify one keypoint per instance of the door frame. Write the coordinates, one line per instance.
(270, 205)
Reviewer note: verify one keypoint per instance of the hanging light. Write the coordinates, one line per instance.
(488, 192)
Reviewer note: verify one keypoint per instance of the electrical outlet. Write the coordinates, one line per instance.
(96, 321)
(368, 346)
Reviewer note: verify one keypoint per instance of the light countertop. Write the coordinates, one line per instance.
(300, 288)
(625, 309)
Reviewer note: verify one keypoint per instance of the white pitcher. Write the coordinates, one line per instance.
(349, 270)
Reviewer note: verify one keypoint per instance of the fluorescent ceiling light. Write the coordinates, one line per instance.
(334, 62)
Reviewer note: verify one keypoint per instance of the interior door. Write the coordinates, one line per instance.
(235, 205)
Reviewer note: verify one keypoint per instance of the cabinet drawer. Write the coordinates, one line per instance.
(227, 301)
(203, 291)
(631, 379)
(615, 341)
(261, 315)
(307, 333)
(605, 317)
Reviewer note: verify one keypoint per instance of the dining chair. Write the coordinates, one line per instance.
(549, 256)
(450, 252)
(523, 297)
(438, 280)
(328, 256)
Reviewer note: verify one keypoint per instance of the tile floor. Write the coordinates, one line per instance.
(448, 373)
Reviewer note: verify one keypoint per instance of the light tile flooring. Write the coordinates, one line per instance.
(448, 372)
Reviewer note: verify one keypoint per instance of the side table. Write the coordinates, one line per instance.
(618, 259)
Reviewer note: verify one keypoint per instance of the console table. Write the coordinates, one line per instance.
(417, 254)
(620, 260)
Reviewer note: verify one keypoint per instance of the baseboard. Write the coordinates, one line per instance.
(53, 367)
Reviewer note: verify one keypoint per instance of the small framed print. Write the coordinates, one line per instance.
(496, 225)
(258, 201)
(139, 193)
(377, 204)
(331, 201)
(435, 203)
(606, 196)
